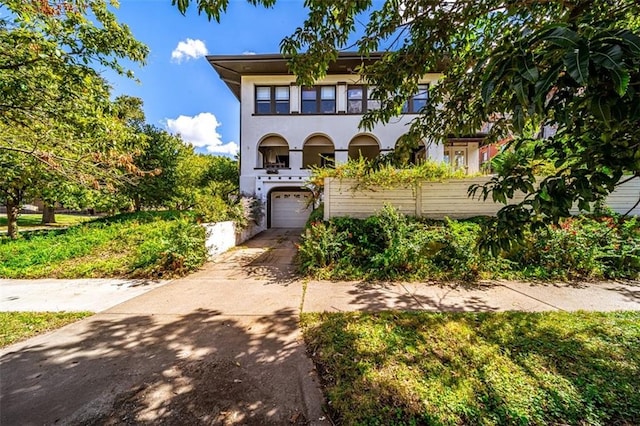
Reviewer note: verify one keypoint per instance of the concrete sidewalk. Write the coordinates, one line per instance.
(222, 346)
(54, 295)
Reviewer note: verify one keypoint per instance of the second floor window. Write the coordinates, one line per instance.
(417, 101)
(272, 99)
(359, 100)
(319, 100)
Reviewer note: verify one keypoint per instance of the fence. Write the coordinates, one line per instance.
(438, 199)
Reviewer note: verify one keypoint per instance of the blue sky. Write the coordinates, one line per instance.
(181, 91)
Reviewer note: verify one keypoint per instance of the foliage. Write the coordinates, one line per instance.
(146, 245)
(518, 65)
(56, 115)
(390, 245)
(16, 326)
(160, 155)
(407, 368)
(384, 174)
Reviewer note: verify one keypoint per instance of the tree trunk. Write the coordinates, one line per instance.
(137, 203)
(48, 214)
(12, 218)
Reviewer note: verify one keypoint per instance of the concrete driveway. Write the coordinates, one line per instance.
(222, 346)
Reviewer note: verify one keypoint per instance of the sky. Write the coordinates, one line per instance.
(181, 91)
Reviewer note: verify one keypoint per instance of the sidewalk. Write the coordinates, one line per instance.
(222, 346)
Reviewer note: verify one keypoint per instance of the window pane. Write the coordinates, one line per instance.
(328, 107)
(263, 107)
(354, 107)
(423, 92)
(354, 93)
(282, 93)
(263, 93)
(282, 107)
(373, 104)
(418, 104)
(309, 94)
(328, 92)
(309, 107)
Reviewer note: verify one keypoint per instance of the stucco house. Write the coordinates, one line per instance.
(285, 128)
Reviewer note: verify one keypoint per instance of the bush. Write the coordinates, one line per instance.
(145, 245)
(390, 245)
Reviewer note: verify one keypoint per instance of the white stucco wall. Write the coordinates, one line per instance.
(222, 236)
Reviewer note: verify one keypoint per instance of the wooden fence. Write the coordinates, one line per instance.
(438, 199)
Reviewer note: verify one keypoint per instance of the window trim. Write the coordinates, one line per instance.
(273, 102)
(319, 100)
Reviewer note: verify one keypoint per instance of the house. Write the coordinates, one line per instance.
(285, 128)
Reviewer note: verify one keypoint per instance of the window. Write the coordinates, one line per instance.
(272, 99)
(358, 100)
(319, 100)
(417, 101)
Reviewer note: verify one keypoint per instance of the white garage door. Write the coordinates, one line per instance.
(290, 209)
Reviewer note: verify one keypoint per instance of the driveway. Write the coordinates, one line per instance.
(221, 346)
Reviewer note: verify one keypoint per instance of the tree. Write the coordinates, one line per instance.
(161, 155)
(55, 109)
(570, 65)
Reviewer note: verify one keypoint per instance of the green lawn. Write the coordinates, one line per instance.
(30, 220)
(508, 368)
(16, 326)
(140, 245)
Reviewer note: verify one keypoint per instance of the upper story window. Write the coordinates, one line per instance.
(417, 101)
(272, 99)
(359, 100)
(319, 100)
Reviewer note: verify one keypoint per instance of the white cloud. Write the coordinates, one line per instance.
(200, 131)
(248, 52)
(189, 49)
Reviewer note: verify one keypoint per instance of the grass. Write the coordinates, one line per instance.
(29, 220)
(509, 368)
(16, 326)
(137, 245)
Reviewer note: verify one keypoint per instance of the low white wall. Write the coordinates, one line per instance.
(222, 236)
(439, 199)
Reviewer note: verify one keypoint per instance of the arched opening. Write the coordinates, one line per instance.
(273, 153)
(363, 146)
(318, 151)
(415, 155)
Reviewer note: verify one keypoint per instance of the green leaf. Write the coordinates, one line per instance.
(632, 41)
(577, 63)
(621, 79)
(610, 58)
(560, 36)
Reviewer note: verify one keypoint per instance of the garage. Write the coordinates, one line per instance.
(290, 209)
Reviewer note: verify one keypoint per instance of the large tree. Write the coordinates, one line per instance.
(56, 114)
(570, 65)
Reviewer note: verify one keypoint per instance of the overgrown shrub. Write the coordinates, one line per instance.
(145, 244)
(390, 245)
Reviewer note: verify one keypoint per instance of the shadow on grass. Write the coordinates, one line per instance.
(487, 368)
(198, 368)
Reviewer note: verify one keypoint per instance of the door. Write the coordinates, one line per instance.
(290, 209)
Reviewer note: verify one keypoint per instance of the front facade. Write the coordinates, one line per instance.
(286, 128)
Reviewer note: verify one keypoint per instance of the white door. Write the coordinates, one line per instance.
(290, 209)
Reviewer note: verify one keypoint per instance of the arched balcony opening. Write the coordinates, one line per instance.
(363, 146)
(318, 151)
(415, 155)
(273, 153)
